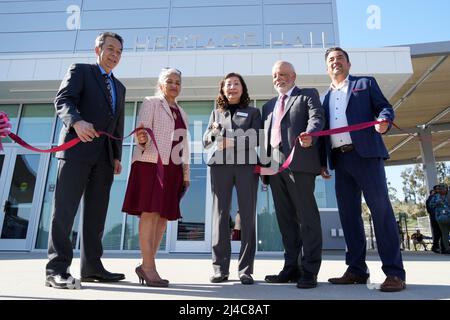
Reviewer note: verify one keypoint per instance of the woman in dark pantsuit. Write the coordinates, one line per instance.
(232, 137)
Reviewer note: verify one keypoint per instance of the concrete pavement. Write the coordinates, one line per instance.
(22, 277)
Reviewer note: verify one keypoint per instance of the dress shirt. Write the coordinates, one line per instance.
(338, 118)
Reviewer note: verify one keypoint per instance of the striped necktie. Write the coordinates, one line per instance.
(108, 82)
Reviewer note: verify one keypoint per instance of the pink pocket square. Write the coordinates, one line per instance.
(358, 90)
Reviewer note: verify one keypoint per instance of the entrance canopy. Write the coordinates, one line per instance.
(422, 107)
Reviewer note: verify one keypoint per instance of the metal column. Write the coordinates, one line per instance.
(428, 160)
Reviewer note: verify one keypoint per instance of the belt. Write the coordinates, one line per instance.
(343, 149)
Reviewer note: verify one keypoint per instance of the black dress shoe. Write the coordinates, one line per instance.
(285, 276)
(104, 276)
(307, 281)
(246, 279)
(436, 249)
(218, 277)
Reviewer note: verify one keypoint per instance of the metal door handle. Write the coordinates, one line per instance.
(6, 206)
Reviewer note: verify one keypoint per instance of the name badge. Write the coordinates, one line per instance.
(242, 114)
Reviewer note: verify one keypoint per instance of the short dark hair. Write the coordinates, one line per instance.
(222, 101)
(329, 50)
(441, 187)
(100, 40)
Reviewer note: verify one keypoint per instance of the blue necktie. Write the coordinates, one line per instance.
(108, 81)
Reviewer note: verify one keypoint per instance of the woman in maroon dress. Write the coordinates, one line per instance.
(145, 196)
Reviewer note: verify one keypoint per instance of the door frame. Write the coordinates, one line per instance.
(183, 246)
(11, 153)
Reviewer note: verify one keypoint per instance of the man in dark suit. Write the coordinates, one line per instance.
(295, 112)
(358, 160)
(90, 99)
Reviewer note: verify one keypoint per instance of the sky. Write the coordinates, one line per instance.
(381, 23)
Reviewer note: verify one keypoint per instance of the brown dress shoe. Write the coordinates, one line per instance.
(392, 284)
(349, 278)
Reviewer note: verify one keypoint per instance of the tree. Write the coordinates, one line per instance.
(392, 192)
(414, 186)
(443, 172)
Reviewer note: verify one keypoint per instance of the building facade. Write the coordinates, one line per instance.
(205, 39)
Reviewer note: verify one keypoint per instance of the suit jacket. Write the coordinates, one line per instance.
(303, 113)
(83, 95)
(243, 127)
(365, 102)
(155, 114)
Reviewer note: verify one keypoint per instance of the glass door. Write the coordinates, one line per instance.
(21, 176)
(192, 233)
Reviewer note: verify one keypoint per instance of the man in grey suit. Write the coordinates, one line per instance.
(288, 118)
(90, 99)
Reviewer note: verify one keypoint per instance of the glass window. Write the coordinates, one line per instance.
(47, 207)
(58, 127)
(131, 241)
(113, 226)
(325, 193)
(36, 123)
(12, 110)
(269, 236)
(132, 234)
(260, 103)
(17, 208)
(208, 16)
(198, 116)
(191, 227)
(129, 113)
(25, 42)
(131, 237)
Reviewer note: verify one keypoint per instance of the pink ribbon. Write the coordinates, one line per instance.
(269, 172)
(4, 130)
(74, 141)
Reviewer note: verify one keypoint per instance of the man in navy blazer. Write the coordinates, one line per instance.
(358, 160)
(90, 99)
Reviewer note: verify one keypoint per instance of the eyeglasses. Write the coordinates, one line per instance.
(175, 69)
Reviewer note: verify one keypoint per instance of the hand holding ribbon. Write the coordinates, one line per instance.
(381, 126)
(88, 135)
(85, 131)
(305, 140)
(5, 127)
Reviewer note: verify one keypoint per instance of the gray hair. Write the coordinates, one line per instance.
(163, 75)
(280, 62)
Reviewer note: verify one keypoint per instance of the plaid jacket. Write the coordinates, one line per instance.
(155, 114)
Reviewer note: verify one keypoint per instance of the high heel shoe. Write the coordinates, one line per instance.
(150, 283)
(165, 280)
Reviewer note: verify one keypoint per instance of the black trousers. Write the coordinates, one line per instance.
(436, 233)
(298, 218)
(74, 179)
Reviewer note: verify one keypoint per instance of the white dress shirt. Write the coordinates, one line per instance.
(338, 118)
